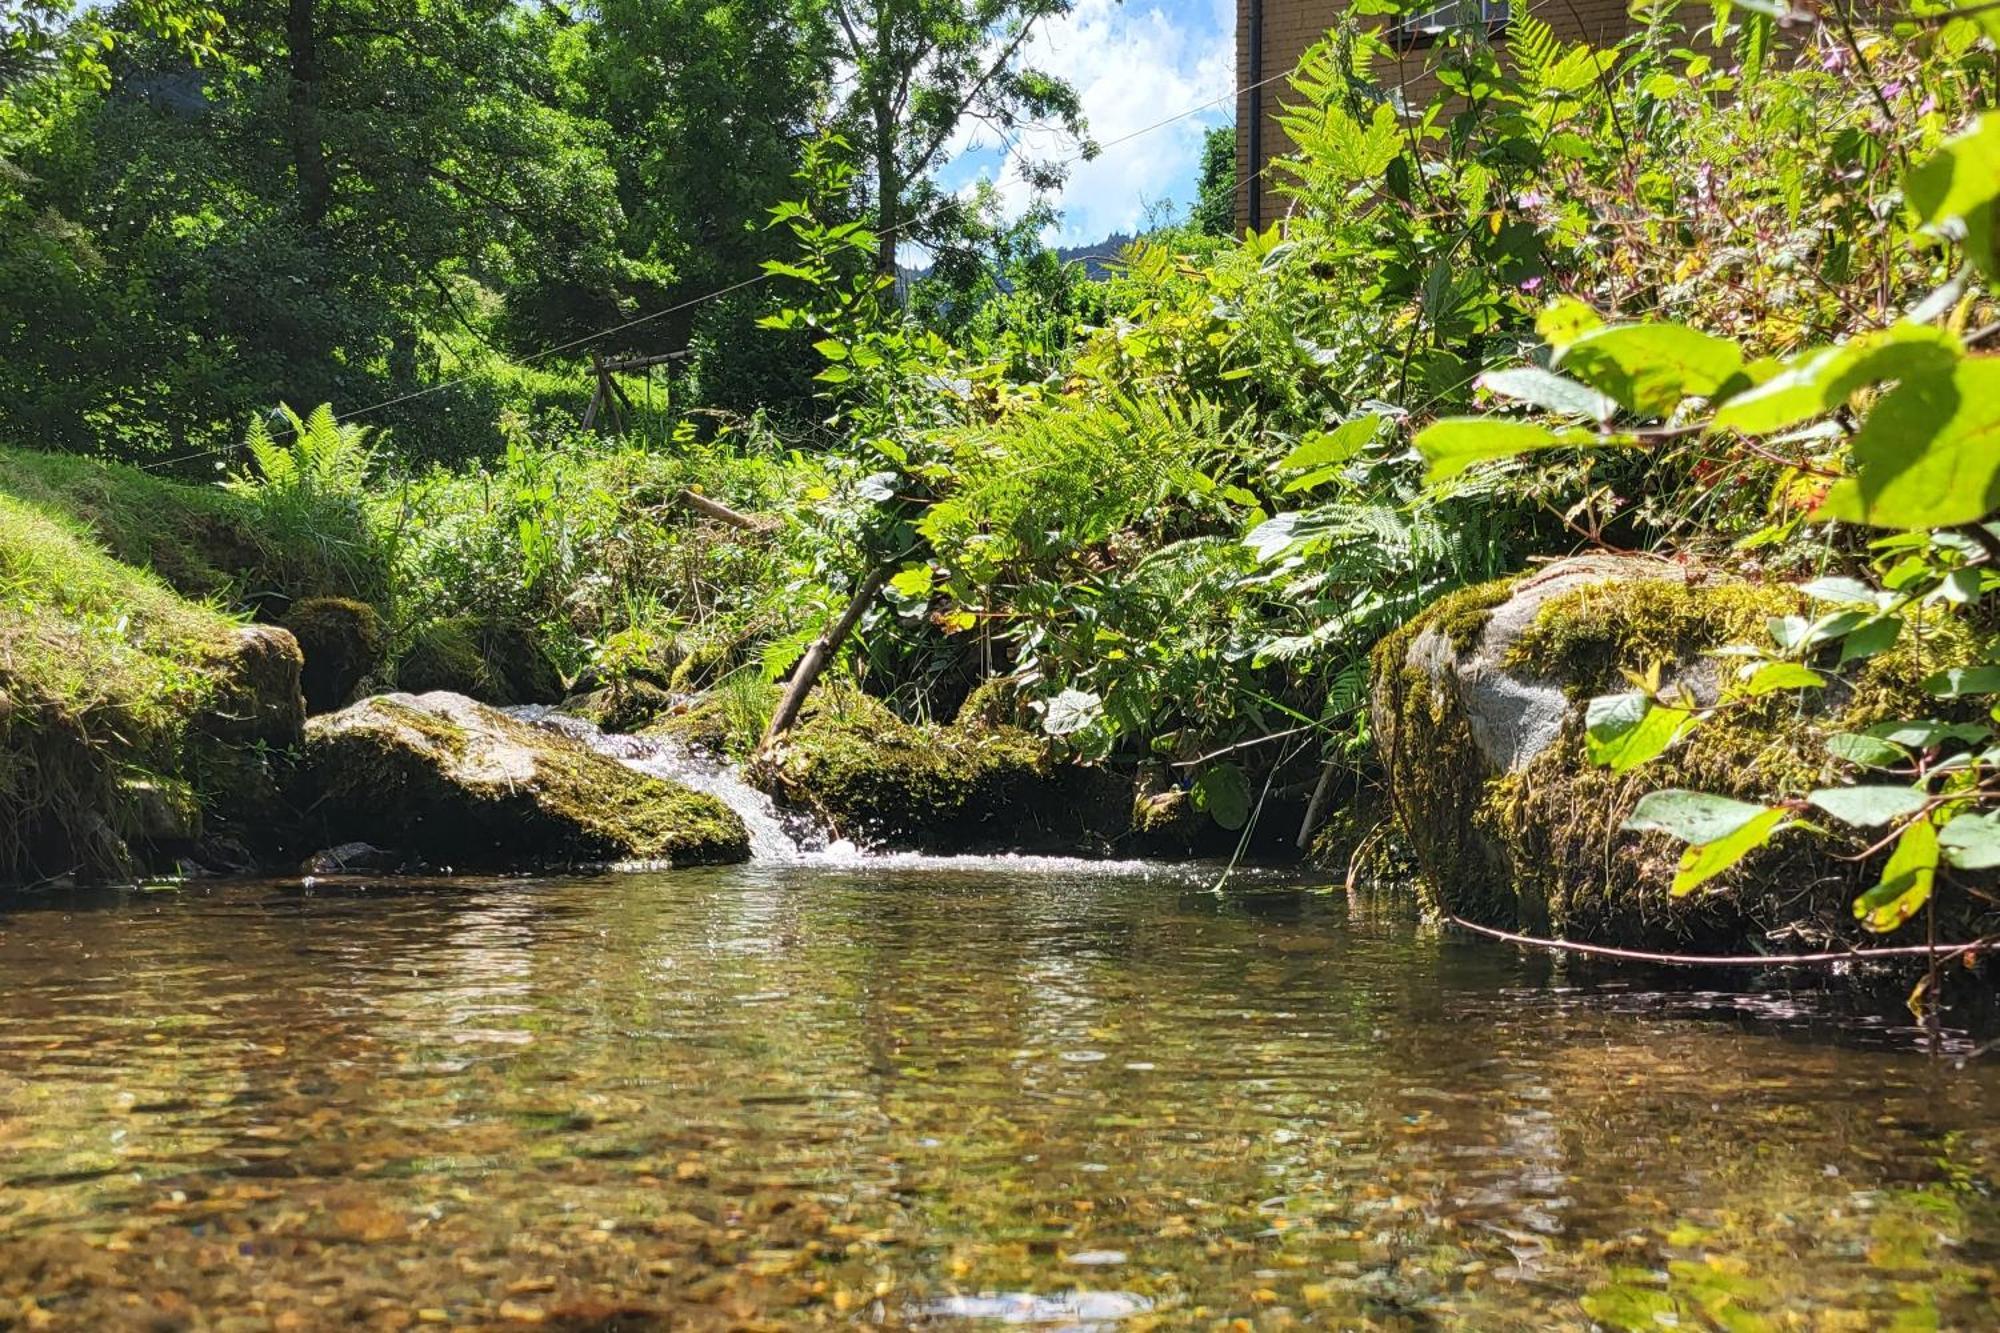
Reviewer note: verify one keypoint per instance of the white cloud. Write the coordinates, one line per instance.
(1133, 65)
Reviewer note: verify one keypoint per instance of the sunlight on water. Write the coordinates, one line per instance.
(895, 1092)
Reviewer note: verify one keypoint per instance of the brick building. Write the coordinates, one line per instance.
(1271, 35)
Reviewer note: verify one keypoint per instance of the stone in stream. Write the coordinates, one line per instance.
(458, 783)
(1478, 711)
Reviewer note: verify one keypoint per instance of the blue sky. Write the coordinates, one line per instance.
(1134, 63)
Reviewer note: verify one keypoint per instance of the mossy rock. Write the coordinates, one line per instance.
(442, 777)
(119, 701)
(882, 781)
(493, 662)
(344, 644)
(627, 708)
(1478, 711)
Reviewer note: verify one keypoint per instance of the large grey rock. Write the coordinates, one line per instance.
(1514, 715)
(456, 782)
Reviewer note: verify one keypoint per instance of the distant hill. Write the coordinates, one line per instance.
(1097, 258)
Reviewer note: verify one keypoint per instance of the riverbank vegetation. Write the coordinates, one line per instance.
(1717, 296)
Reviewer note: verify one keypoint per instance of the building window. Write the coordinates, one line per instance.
(1425, 28)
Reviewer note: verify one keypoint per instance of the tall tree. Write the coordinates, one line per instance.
(916, 71)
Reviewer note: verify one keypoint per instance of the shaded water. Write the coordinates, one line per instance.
(918, 1092)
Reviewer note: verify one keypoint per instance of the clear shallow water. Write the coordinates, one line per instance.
(910, 1093)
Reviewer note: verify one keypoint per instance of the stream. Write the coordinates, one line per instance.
(832, 1088)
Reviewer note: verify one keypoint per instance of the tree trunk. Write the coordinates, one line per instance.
(315, 185)
(818, 657)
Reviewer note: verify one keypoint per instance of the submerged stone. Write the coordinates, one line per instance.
(459, 783)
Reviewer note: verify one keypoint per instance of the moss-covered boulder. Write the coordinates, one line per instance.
(455, 782)
(344, 644)
(133, 722)
(882, 781)
(1478, 712)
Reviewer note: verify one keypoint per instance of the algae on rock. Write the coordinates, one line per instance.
(1478, 709)
(445, 778)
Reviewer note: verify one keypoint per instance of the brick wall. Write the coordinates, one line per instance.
(1291, 26)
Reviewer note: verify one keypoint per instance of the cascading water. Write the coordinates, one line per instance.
(774, 835)
(777, 836)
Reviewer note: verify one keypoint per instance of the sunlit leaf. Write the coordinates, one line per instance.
(1702, 863)
(1929, 454)
(1623, 731)
(1550, 392)
(1868, 807)
(1454, 444)
(1691, 816)
(1651, 368)
(1972, 841)
(1867, 751)
(1815, 383)
(1906, 880)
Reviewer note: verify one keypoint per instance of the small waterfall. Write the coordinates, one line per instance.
(774, 835)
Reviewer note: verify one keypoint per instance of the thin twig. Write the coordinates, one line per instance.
(1728, 960)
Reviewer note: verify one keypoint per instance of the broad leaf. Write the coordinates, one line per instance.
(1703, 863)
(1868, 807)
(1224, 791)
(1454, 444)
(1906, 880)
(1876, 636)
(1972, 841)
(1070, 712)
(1965, 680)
(1844, 591)
(1691, 816)
(1963, 175)
(1924, 735)
(1867, 751)
(1326, 447)
(1929, 454)
(1774, 676)
(1650, 368)
(1815, 383)
(1550, 392)
(1623, 731)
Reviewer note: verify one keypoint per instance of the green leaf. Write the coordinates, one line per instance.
(833, 349)
(913, 582)
(1906, 880)
(1703, 863)
(1691, 816)
(1844, 591)
(1774, 676)
(1224, 791)
(1868, 807)
(1876, 636)
(1964, 680)
(1070, 712)
(1623, 731)
(1454, 444)
(1816, 382)
(1550, 392)
(1324, 448)
(1929, 454)
(1867, 751)
(1565, 320)
(1972, 841)
(1650, 368)
(1960, 177)
(1924, 735)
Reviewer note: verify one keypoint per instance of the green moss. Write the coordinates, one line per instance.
(1542, 848)
(1590, 636)
(468, 785)
(490, 661)
(344, 644)
(105, 674)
